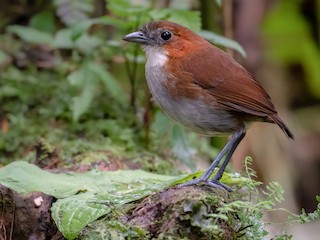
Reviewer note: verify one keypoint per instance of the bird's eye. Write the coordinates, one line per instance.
(166, 35)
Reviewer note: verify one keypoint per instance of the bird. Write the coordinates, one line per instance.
(203, 88)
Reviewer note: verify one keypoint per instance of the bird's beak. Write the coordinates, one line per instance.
(137, 37)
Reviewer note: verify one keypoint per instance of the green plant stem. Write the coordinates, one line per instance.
(131, 71)
(146, 117)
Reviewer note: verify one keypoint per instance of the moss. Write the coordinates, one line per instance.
(114, 226)
(185, 213)
(152, 163)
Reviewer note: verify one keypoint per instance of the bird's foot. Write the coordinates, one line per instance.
(192, 182)
(218, 184)
(213, 183)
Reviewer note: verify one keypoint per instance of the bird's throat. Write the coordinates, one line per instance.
(156, 56)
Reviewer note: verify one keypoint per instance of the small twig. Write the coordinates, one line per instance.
(132, 71)
(146, 117)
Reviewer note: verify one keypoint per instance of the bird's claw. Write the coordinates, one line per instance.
(218, 184)
(192, 182)
(213, 183)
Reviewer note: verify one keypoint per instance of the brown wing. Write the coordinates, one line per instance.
(231, 85)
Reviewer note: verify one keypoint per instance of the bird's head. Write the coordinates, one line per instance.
(166, 38)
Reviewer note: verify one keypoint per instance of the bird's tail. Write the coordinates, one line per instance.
(277, 120)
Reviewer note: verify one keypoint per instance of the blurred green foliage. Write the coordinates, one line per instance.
(67, 76)
(291, 41)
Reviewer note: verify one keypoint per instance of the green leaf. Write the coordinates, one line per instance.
(73, 11)
(87, 43)
(111, 84)
(219, 3)
(31, 35)
(187, 18)
(124, 8)
(73, 213)
(82, 102)
(220, 40)
(43, 21)
(77, 34)
(26, 178)
(63, 39)
(87, 80)
(190, 19)
(3, 57)
(80, 28)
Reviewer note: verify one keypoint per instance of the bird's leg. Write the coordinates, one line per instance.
(215, 180)
(231, 145)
